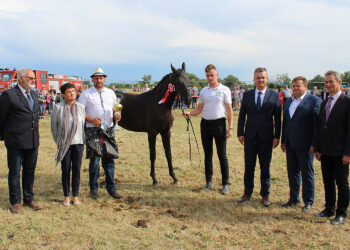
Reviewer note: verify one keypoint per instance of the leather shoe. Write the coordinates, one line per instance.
(324, 213)
(338, 220)
(266, 201)
(93, 195)
(16, 208)
(115, 195)
(307, 208)
(225, 190)
(32, 204)
(208, 186)
(244, 198)
(289, 204)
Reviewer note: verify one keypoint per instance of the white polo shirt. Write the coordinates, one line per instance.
(214, 101)
(94, 107)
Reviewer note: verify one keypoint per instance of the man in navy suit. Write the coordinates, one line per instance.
(333, 148)
(299, 130)
(19, 117)
(259, 129)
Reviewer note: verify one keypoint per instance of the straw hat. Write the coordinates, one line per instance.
(98, 72)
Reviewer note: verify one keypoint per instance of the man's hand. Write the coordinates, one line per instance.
(241, 139)
(283, 147)
(229, 133)
(312, 149)
(317, 156)
(117, 116)
(186, 114)
(275, 143)
(346, 159)
(97, 122)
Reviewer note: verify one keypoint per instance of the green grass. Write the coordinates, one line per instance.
(167, 216)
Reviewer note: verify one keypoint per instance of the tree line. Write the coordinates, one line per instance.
(230, 81)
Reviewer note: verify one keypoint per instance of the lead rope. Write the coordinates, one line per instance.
(189, 122)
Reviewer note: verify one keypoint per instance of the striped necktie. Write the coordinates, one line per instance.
(258, 101)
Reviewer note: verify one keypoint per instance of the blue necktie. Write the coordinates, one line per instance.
(30, 100)
(258, 101)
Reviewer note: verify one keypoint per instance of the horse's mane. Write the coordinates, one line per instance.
(164, 80)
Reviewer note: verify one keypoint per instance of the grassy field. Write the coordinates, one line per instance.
(167, 216)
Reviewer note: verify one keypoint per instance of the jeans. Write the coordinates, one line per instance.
(215, 129)
(94, 173)
(15, 159)
(72, 161)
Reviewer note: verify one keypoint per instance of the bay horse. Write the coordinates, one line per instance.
(151, 112)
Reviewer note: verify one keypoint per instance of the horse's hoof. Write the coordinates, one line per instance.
(155, 183)
(176, 182)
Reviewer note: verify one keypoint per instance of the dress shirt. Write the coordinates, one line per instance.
(24, 91)
(335, 98)
(94, 108)
(295, 103)
(262, 95)
(214, 101)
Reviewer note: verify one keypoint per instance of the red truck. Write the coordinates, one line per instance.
(44, 80)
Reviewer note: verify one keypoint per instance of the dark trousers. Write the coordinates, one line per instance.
(252, 149)
(15, 159)
(94, 173)
(72, 161)
(335, 173)
(300, 162)
(215, 129)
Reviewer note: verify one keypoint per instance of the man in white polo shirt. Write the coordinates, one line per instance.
(213, 101)
(99, 102)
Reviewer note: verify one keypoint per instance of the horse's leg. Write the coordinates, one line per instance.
(152, 154)
(166, 144)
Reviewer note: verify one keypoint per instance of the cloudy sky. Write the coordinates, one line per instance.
(130, 38)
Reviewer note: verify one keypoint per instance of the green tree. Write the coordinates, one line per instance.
(88, 83)
(231, 81)
(146, 79)
(282, 79)
(317, 81)
(346, 77)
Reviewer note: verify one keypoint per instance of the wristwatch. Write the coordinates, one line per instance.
(230, 128)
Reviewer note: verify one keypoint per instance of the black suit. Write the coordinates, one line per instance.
(324, 95)
(259, 128)
(333, 143)
(19, 130)
(299, 134)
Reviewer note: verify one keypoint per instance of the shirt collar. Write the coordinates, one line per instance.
(300, 98)
(262, 91)
(22, 89)
(336, 96)
(215, 87)
(103, 90)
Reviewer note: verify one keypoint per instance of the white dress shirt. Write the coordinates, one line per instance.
(214, 101)
(262, 95)
(335, 98)
(94, 107)
(295, 103)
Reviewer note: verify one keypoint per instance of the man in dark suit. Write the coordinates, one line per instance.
(333, 148)
(259, 128)
(299, 130)
(324, 94)
(19, 116)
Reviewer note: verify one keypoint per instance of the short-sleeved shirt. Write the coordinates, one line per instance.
(214, 101)
(94, 107)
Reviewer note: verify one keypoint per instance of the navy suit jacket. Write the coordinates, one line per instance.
(264, 124)
(19, 125)
(334, 135)
(300, 131)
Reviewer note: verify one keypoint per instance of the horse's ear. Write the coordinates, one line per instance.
(172, 68)
(183, 66)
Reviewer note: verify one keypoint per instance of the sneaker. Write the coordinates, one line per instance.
(208, 186)
(225, 189)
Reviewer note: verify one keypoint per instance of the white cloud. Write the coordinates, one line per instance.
(298, 37)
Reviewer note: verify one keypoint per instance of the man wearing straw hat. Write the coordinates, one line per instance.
(99, 102)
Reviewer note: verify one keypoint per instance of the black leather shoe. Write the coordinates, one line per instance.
(324, 213)
(208, 186)
(289, 204)
(338, 220)
(115, 195)
(93, 195)
(307, 208)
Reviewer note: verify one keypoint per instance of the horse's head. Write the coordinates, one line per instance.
(181, 81)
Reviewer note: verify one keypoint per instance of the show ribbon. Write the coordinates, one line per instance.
(171, 88)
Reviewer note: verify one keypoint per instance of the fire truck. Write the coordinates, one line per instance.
(44, 80)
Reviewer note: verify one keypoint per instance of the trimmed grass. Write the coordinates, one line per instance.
(167, 216)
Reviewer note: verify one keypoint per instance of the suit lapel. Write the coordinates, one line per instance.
(22, 98)
(336, 105)
(286, 108)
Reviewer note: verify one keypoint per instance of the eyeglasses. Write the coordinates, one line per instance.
(30, 78)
